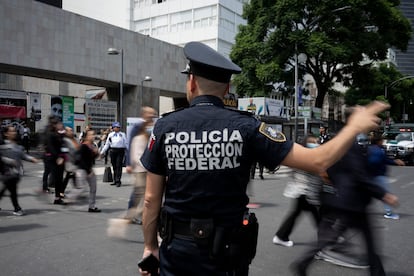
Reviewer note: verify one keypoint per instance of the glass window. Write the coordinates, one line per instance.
(227, 19)
(181, 20)
(205, 17)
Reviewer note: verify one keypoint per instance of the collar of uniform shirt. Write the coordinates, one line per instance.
(207, 99)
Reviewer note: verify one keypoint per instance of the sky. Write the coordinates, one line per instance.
(114, 12)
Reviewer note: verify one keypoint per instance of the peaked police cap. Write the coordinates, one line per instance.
(208, 63)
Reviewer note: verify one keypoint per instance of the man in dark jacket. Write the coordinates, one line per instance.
(344, 205)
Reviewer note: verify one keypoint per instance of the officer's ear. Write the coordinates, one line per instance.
(227, 91)
(192, 81)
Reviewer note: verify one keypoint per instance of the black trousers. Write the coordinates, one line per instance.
(299, 205)
(117, 160)
(333, 223)
(11, 185)
(68, 176)
(185, 257)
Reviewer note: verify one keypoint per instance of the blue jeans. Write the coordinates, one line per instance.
(383, 181)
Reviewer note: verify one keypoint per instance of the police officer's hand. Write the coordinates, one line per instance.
(364, 119)
(146, 253)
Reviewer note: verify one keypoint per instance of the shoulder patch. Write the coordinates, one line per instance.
(243, 112)
(272, 134)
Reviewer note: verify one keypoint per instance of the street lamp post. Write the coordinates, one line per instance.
(147, 78)
(392, 84)
(114, 51)
(296, 92)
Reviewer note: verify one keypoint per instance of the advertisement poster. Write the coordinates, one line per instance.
(56, 106)
(34, 106)
(262, 106)
(254, 105)
(273, 107)
(68, 111)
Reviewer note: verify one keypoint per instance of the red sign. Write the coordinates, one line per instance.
(10, 111)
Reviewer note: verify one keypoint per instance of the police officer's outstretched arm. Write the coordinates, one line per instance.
(152, 205)
(362, 120)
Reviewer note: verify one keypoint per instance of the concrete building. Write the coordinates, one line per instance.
(47, 52)
(213, 22)
(405, 60)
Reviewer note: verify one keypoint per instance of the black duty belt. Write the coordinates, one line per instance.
(198, 229)
(181, 228)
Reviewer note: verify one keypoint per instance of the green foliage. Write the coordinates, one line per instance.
(372, 83)
(334, 35)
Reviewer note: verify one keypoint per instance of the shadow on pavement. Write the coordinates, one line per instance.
(20, 227)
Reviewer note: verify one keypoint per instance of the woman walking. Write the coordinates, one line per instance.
(11, 150)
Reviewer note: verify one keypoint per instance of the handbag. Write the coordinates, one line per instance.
(107, 177)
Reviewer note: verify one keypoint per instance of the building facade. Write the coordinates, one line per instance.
(405, 60)
(213, 22)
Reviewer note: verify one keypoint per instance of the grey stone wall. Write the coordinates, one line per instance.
(44, 41)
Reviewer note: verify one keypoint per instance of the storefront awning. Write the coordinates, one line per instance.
(12, 112)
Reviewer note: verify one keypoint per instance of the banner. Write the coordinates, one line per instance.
(12, 112)
(34, 107)
(68, 111)
(56, 106)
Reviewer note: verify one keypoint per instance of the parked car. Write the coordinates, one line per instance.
(400, 145)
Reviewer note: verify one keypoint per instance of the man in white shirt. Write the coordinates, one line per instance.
(117, 143)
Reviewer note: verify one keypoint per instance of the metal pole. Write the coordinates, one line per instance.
(296, 92)
(403, 116)
(121, 90)
(142, 92)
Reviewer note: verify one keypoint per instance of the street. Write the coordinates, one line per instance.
(67, 240)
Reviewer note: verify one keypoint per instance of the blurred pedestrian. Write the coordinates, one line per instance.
(85, 176)
(71, 146)
(304, 190)
(82, 135)
(344, 205)
(25, 137)
(117, 143)
(147, 114)
(137, 147)
(253, 170)
(54, 159)
(378, 161)
(11, 171)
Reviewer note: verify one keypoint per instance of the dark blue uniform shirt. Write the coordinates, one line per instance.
(206, 151)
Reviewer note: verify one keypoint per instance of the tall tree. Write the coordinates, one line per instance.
(336, 36)
(372, 83)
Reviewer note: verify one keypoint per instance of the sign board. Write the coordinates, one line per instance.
(262, 106)
(100, 114)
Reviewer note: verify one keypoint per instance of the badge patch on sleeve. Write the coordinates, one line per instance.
(271, 133)
(151, 142)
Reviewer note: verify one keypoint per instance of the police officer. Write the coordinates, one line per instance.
(117, 142)
(201, 156)
(323, 134)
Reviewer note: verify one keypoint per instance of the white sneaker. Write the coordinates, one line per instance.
(18, 213)
(278, 241)
(392, 216)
